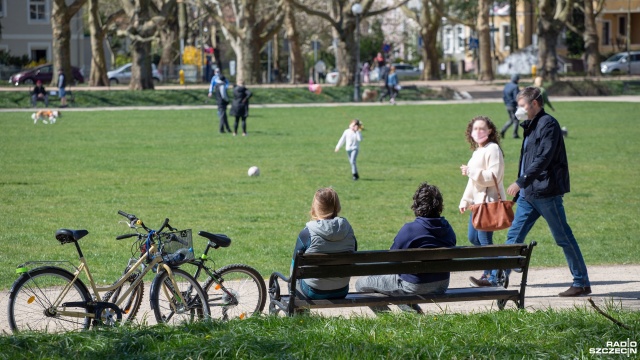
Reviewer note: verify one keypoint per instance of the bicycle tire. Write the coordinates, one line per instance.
(167, 309)
(247, 288)
(31, 296)
(131, 306)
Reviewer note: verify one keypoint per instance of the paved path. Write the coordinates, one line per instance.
(617, 285)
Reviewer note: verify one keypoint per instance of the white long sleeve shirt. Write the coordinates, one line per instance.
(485, 161)
(351, 139)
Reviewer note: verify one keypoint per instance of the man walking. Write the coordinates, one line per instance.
(542, 181)
(509, 94)
(222, 100)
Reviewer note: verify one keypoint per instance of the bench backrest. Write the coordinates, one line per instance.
(411, 261)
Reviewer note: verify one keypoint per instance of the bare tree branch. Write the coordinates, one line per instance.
(321, 14)
(385, 9)
(608, 316)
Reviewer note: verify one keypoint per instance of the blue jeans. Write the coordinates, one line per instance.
(353, 155)
(479, 238)
(552, 210)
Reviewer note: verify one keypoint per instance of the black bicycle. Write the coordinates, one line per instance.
(234, 291)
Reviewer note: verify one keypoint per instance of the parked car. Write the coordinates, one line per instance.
(619, 63)
(43, 73)
(407, 72)
(122, 75)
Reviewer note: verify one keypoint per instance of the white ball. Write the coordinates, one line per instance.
(253, 171)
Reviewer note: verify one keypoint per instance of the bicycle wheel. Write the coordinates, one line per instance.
(167, 306)
(238, 292)
(31, 302)
(131, 305)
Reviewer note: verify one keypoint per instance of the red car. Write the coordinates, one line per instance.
(43, 73)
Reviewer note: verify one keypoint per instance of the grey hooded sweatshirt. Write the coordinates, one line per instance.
(327, 237)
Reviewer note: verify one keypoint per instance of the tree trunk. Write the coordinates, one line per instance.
(61, 15)
(548, 31)
(484, 35)
(141, 66)
(430, 22)
(98, 74)
(170, 41)
(513, 26)
(590, 37)
(295, 51)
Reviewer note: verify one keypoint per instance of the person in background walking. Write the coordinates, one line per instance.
(214, 81)
(509, 94)
(384, 77)
(366, 69)
(392, 85)
(62, 84)
(351, 139)
(486, 162)
(222, 100)
(240, 107)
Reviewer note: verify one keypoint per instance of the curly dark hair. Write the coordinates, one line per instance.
(493, 132)
(427, 201)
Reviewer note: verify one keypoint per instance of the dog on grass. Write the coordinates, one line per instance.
(46, 116)
(369, 95)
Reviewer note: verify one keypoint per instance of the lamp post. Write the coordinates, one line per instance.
(356, 9)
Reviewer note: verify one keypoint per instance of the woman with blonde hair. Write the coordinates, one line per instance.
(325, 233)
(486, 163)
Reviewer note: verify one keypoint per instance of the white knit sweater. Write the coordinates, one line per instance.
(485, 161)
(351, 138)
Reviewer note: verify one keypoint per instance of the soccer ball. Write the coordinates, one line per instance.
(253, 171)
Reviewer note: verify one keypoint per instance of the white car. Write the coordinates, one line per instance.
(619, 64)
(122, 75)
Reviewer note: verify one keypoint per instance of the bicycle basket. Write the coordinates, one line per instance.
(176, 247)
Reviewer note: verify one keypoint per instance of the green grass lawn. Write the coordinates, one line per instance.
(79, 172)
(510, 334)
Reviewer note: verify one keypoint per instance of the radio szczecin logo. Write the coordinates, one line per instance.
(627, 347)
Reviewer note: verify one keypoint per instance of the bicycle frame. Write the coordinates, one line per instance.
(84, 267)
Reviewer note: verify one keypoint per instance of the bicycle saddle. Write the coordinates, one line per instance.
(67, 235)
(217, 239)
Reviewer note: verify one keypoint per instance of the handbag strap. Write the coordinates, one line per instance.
(495, 181)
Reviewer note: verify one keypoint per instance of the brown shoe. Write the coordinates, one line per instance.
(479, 282)
(576, 291)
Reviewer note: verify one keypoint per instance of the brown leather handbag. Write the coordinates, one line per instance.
(492, 216)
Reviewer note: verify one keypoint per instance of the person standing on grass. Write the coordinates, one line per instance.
(429, 230)
(222, 100)
(325, 233)
(351, 139)
(543, 179)
(509, 94)
(240, 107)
(383, 73)
(62, 84)
(486, 162)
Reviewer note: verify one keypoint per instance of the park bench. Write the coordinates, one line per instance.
(53, 96)
(411, 261)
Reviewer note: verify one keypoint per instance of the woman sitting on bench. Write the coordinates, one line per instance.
(325, 233)
(428, 230)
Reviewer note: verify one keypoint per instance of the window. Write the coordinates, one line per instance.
(622, 25)
(38, 11)
(448, 40)
(606, 33)
(459, 39)
(505, 36)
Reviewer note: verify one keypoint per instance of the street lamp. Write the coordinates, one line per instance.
(356, 9)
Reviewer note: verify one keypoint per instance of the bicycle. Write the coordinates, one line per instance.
(233, 291)
(47, 297)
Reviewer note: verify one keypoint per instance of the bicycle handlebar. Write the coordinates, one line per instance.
(126, 236)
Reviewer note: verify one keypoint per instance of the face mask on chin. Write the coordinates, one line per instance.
(521, 114)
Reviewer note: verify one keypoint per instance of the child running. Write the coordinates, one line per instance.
(351, 139)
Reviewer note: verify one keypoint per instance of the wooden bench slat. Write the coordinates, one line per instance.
(376, 299)
(414, 254)
(416, 267)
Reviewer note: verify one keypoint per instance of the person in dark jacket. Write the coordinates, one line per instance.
(222, 100)
(428, 230)
(62, 88)
(240, 107)
(543, 179)
(39, 93)
(509, 94)
(383, 73)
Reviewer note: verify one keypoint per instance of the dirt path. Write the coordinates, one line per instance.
(617, 284)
